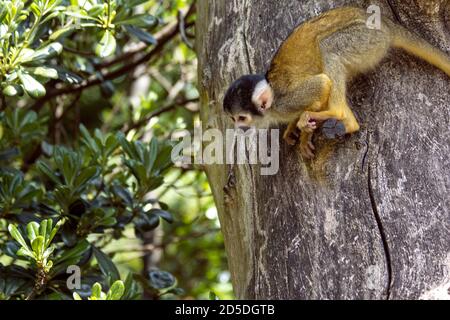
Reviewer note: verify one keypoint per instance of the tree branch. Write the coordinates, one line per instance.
(158, 112)
(162, 37)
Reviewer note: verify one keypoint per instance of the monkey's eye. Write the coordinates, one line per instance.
(232, 119)
(242, 118)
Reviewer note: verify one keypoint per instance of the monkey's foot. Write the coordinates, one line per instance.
(291, 136)
(306, 146)
(333, 129)
(306, 123)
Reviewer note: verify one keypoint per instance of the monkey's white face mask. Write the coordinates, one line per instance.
(262, 99)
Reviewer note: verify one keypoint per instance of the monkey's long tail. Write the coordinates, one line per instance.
(405, 39)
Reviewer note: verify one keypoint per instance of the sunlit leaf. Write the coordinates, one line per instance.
(116, 291)
(107, 45)
(34, 88)
(106, 265)
(141, 34)
(15, 233)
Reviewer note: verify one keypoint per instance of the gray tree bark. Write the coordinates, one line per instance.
(370, 218)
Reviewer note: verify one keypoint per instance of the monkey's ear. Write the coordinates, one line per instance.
(262, 96)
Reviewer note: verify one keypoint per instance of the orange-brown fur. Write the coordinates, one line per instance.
(300, 56)
(310, 71)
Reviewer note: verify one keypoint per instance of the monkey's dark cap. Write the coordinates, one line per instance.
(239, 96)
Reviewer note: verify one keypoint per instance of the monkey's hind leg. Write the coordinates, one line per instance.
(319, 89)
(338, 106)
(306, 146)
(338, 118)
(290, 135)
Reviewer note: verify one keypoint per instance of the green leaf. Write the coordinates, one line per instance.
(76, 251)
(52, 15)
(127, 146)
(38, 246)
(107, 45)
(69, 235)
(212, 296)
(96, 10)
(111, 144)
(52, 50)
(177, 291)
(43, 228)
(68, 77)
(45, 72)
(144, 222)
(79, 15)
(46, 170)
(116, 291)
(162, 213)
(96, 291)
(13, 90)
(154, 183)
(138, 170)
(11, 248)
(124, 194)
(15, 233)
(9, 154)
(32, 230)
(61, 32)
(140, 21)
(25, 253)
(76, 296)
(54, 231)
(26, 55)
(32, 86)
(132, 291)
(107, 267)
(141, 34)
(35, 8)
(88, 140)
(49, 251)
(153, 153)
(163, 161)
(134, 3)
(85, 176)
(49, 229)
(108, 222)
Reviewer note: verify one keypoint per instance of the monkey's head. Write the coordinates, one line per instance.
(247, 101)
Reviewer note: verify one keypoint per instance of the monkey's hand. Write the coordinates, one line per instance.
(306, 123)
(291, 135)
(306, 145)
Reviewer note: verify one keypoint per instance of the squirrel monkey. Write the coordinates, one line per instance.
(306, 83)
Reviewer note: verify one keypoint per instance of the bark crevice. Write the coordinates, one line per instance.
(394, 11)
(376, 213)
(244, 38)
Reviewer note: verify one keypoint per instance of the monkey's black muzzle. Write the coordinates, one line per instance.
(243, 128)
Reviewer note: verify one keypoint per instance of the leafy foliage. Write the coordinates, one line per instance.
(87, 193)
(75, 194)
(115, 292)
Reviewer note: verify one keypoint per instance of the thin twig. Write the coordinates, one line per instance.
(80, 53)
(163, 37)
(2, 102)
(182, 28)
(157, 113)
(72, 105)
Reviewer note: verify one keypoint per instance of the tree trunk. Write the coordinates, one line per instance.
(369, 219)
